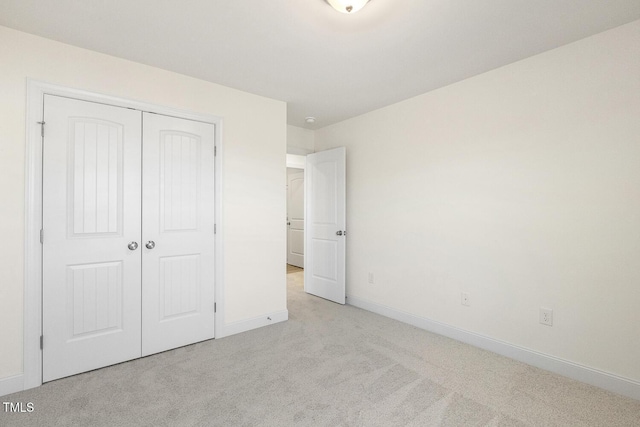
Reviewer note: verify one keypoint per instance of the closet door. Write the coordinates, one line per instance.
(91, 229)
(178, 232)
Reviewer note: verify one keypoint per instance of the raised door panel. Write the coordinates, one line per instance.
(91, 212)
(324, 192)
(94, 291)
(179, 287)
(95, 177)
(178, 222)
(180, 173)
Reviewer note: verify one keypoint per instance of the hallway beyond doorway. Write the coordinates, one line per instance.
(293, 269)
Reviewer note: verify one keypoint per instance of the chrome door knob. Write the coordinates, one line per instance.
(150, 244)
(133, 246)
(338, 233)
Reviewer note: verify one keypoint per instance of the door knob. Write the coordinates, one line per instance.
(150, 244)
(338, 233)
(133, 246)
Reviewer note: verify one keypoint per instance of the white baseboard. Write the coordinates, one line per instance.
(11, 384)
(605, 380)
(254, 323)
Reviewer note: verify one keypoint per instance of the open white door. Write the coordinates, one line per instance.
(295, 217)
(325, 214)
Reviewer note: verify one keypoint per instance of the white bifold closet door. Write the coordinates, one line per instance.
(127, 235)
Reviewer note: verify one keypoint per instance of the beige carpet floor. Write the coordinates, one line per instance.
(329, 365)
(293, 269)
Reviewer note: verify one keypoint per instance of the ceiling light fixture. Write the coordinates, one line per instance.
(347, 6)
(310, 120)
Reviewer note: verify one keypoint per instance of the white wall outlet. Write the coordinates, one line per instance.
(464, 299)
(371, 278)
(546, 316)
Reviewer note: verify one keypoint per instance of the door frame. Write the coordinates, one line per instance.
(32, 316)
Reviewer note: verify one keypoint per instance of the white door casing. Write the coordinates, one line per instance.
(178, 233)
(325, 215)
(295, 217)
(91, 213)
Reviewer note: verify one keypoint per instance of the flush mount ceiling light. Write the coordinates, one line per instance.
(310, 120)
(347, 6)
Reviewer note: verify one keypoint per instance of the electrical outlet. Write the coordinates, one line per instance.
(546, 316)
(371, 279)
(464, 298)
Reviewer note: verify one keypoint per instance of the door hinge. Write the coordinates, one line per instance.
(41, 342)
(41, 128)
(215, 228)
(215, 307)
(215, 150)
(41, 236)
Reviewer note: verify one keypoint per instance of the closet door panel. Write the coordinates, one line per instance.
(91, 213)
(178, 232)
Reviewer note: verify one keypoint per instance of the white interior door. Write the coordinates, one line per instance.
(325, 187)
(91, 230)
(178, 233)
(295, 217)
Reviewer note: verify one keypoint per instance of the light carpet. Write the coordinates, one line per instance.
(329, 365)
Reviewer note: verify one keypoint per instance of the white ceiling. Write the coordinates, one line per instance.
(322, 63)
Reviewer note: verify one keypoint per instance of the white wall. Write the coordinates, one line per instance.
(520, 186)
(299, 140)
(254, 137)
(296, 161)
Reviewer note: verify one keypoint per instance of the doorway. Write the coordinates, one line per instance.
(295, 217)
(323, 192)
